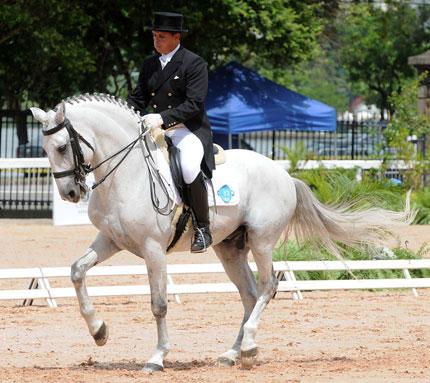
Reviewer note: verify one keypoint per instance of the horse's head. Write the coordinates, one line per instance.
(68, 158)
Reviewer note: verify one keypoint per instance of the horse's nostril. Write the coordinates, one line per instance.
(71, 194)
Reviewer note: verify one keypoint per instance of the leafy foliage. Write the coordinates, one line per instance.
(296, 154)
(50, 49)
(340, 186)
(331, 86)
(54, 48)
(250, 30)
(376, 43)
(41, 52)
(421, 201)
(406, 122)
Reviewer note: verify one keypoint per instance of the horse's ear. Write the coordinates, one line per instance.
(39, 115)
(60, 115)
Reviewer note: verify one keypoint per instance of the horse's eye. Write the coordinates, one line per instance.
(62, 148)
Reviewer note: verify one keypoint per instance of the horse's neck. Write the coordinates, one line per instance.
(107, 118)
(111, 128)
(110, 125)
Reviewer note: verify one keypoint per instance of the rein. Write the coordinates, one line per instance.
(154, 174)
(81, 169)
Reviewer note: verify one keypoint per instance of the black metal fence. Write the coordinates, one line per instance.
(20, 136)
(25, 193)
(28, 192)
(351, 140)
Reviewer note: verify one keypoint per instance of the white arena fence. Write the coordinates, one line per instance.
(285, 271)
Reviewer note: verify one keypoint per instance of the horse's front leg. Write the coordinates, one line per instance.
(101, 249)
(157, 275)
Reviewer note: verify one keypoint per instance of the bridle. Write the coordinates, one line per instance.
(81, 169)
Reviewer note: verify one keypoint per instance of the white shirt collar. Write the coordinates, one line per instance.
(164, 59)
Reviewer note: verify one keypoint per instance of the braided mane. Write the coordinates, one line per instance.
(102, 97)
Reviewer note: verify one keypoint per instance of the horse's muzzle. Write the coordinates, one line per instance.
(73, 196)
(70, 192)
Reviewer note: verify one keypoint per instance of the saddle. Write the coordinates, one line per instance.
(172, 155)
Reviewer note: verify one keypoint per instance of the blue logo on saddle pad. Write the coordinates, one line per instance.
(225, 193)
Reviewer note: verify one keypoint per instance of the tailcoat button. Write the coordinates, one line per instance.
(169, 94)
(152, 94)
(169, 106)
(154, 106)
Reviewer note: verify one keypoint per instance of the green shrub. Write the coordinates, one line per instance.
(421, 201)
(337, 186)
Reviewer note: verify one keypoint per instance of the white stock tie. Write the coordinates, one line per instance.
(163, 61)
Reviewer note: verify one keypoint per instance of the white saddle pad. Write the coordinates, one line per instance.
(225, 187)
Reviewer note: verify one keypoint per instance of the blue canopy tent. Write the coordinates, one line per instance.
(239, 100)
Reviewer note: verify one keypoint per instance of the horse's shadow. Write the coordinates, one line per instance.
(178, 365)
(133, 365)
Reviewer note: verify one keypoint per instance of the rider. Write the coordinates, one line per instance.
(173, 84)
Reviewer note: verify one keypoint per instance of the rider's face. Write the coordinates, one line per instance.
(165, 42)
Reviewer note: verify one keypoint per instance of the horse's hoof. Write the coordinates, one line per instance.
(152, 367)
(247, 358)
(226, 361)
(101, 335)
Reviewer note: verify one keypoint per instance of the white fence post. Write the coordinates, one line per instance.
(171, 283)
(297, 294)
(407, 275)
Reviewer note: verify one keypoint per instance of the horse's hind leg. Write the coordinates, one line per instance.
(236, 266)
(101, 249)
(267, 285)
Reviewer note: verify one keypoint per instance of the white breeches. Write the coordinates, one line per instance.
(191, 151)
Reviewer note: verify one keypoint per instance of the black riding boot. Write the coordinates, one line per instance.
(198, 200)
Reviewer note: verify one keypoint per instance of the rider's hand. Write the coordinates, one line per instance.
(152, 120)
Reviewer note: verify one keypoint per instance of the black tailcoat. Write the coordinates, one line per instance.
(178, 94)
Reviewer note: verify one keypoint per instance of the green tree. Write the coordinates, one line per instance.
(50, 49)
(278, 32)
(407, 122)
(41, 50)
(376, 43)
(321, 78)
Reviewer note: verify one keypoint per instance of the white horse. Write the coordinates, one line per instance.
(271, 202)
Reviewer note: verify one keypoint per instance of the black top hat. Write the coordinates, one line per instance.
(167, 22)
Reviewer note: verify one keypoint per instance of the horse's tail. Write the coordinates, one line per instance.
(328, 226)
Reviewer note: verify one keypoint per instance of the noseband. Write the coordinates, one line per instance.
(81, 169)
